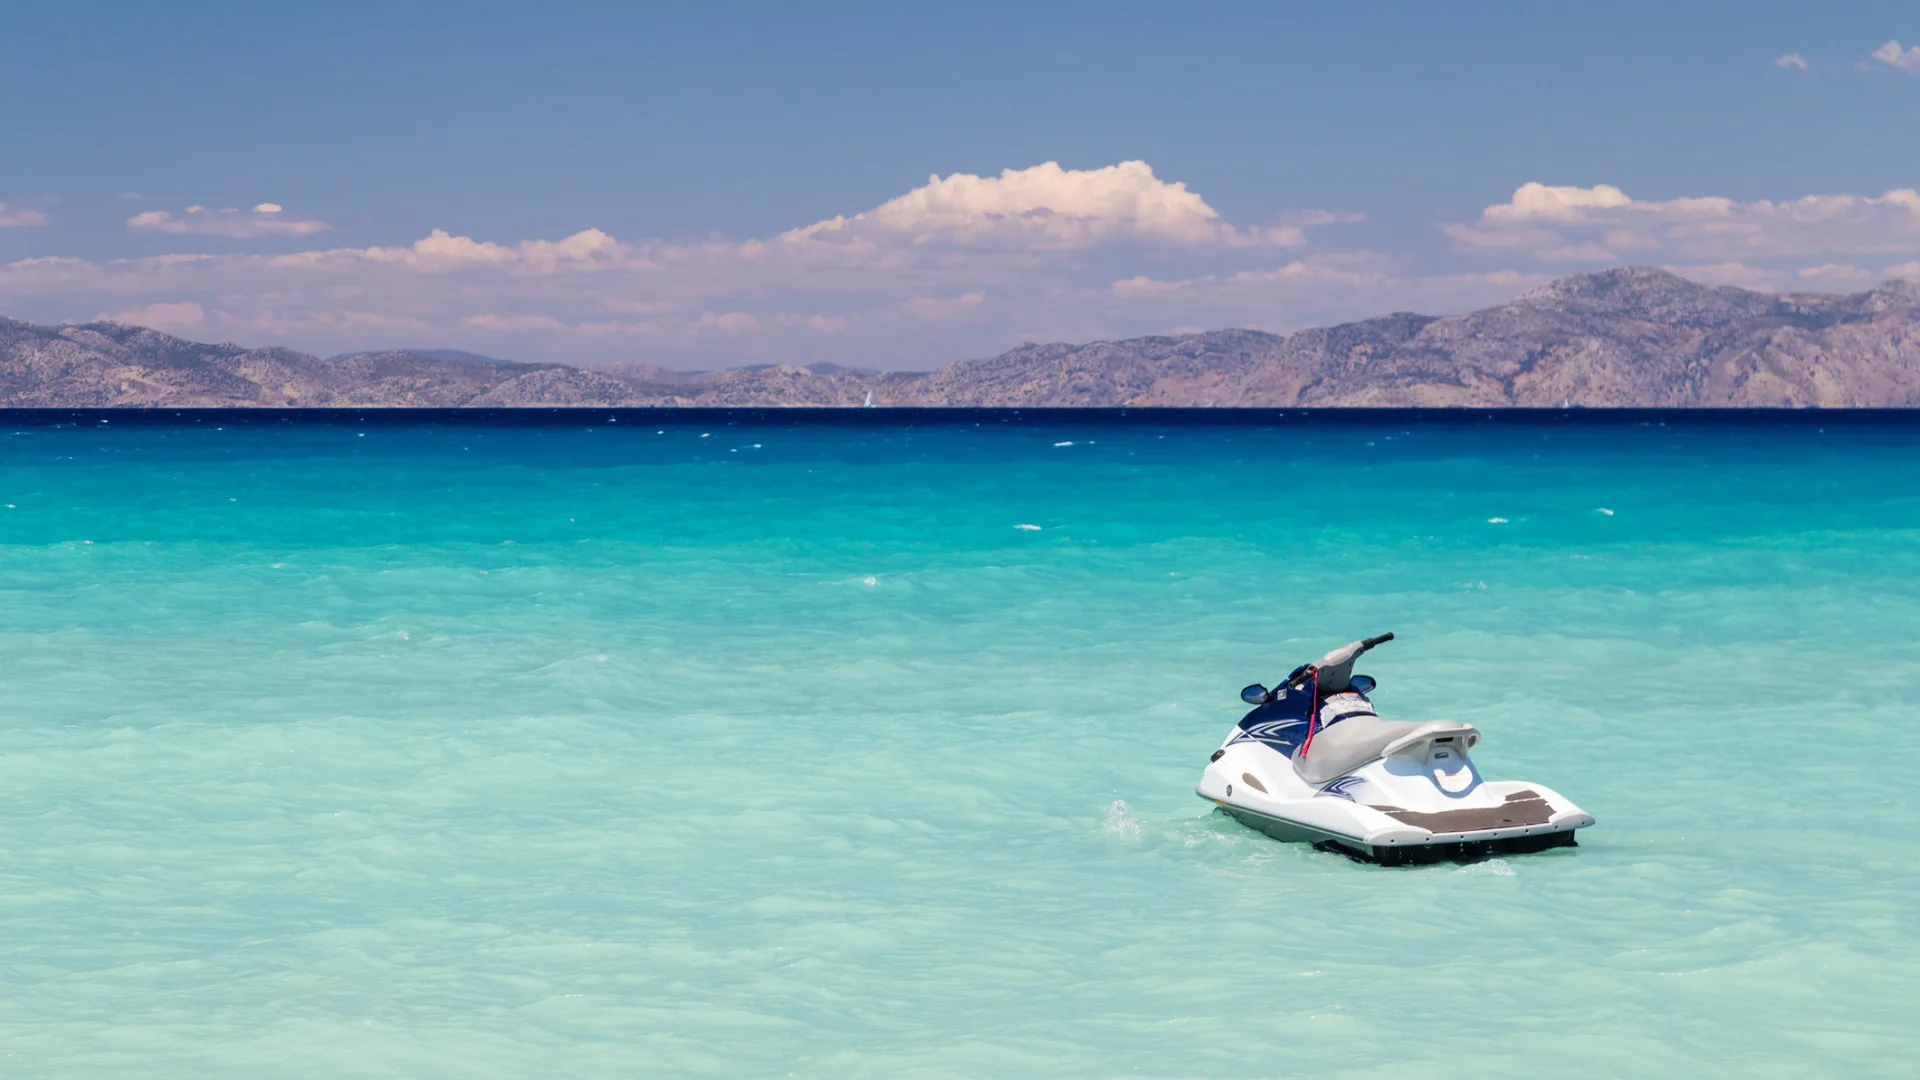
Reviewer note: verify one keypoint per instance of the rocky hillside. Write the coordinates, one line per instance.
(1624, 337)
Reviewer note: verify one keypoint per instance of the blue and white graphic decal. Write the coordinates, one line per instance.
(1343, 787)
(1283, 735)
(1280, 723)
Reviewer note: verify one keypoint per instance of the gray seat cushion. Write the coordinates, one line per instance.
(1356, 740)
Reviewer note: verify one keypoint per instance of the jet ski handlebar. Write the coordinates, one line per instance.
(1308, 671)
(1340, 660)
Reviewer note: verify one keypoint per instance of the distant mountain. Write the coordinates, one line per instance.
(452, 355)
(111, 364)
(653, 373)
(1623, 337)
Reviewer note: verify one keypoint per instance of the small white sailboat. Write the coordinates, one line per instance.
(869, 403)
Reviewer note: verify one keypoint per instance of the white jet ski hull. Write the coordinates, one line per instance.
(1423, 801)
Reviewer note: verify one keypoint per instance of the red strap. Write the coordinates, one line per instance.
(1313, 716)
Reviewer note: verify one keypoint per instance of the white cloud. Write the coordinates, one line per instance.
(1538, 202)
(16, 217)
(1791, 60)
(263, 220)
(731, 322)
(440, 251)
(1825, 277)
(932, 310)
(1315, 291)
(1738, 275)
(1836, 275)
(1141, 285)
(1907, 60)
(184, 317)
(518, 323)
(1602, 224)
(1325, 217)
(1050, 207)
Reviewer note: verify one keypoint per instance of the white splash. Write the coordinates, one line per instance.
(1120, 821)
(1067, 443)
(1605, 511)
(1490, 868)
(1028, 528)
(870, 581)
(1496, 521)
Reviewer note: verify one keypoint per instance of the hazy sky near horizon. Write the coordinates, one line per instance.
(899, 186)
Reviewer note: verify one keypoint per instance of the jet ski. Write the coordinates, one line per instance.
(1314, 763)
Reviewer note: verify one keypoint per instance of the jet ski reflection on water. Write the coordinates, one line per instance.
(1313, 762)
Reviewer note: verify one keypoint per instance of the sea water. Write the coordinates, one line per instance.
(656, 744)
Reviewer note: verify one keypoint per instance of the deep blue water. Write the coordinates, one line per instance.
(767, 743)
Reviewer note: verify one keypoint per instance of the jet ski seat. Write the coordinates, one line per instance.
(1359, 738)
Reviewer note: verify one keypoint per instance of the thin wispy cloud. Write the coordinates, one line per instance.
(1791, 60)
(266, 219)
(185, 317)
(1907, 60)
(12, 217)
(1602, 224)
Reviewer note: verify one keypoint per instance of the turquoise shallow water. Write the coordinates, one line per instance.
(736, 748)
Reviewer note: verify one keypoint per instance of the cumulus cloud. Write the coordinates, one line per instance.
(13, 217)
(265, 219)
(1538, 202)
(1048, 206)
(1791, 60)
(1907, 60)
(1602, 224)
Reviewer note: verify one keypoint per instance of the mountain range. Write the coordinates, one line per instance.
(1630, 336)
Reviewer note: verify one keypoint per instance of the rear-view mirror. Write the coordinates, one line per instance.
(1255, 695)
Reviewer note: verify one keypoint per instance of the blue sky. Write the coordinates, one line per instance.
(1333, 162)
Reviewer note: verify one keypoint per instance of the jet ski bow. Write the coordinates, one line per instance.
(1314, 763)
